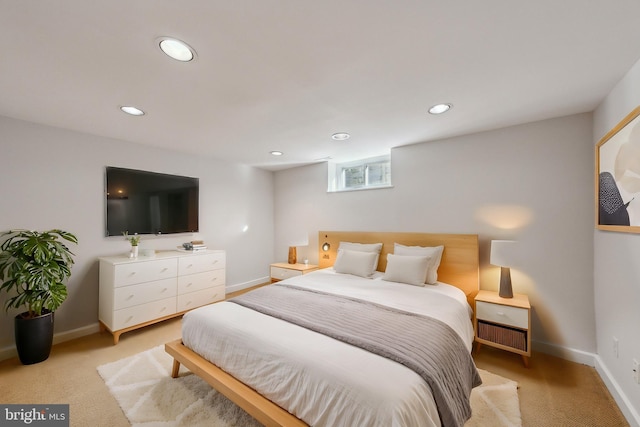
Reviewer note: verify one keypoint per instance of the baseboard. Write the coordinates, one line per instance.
(245, 285)
(629, 412)
(76, 333)
(10, 351)
(593, 360)
(566, 353)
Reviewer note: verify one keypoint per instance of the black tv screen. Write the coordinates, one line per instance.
(150, 203)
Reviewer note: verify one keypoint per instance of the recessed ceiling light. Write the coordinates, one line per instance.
(277, 153)
(340, 136)
(132, 110)
(440, 108)
(176, 49)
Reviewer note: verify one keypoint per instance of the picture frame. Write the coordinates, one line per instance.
(617, 177)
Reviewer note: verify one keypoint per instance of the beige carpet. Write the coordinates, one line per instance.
(148, 396)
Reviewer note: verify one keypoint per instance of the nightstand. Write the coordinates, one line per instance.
(504, 323)
(283, 270)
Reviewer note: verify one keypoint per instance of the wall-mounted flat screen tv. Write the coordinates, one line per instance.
(150, 203)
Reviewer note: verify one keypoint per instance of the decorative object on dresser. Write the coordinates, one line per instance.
(34, 267)
(139, 292)
(193, 246)
(502, 256)
(134, 240)
(284, 270)
(504, 323)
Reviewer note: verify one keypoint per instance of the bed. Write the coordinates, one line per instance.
(264, 361)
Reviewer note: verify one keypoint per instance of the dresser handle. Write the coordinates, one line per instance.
(128, 319)
(189, 284)
(163, 309)
(500, 313)
(214, 279)
(164, 269)
(129, 297)
(164, 290)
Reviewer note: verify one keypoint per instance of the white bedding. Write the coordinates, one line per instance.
(323, 381)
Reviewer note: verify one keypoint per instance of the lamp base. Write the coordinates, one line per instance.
(292, 255)
(506, 291)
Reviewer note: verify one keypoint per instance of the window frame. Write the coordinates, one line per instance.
(338, 179)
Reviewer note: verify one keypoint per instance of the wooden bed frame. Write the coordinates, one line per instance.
(459, 267)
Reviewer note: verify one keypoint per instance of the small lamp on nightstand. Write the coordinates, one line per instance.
(502, 256)
(293, 257)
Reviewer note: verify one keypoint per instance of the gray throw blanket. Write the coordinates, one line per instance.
(426, 345)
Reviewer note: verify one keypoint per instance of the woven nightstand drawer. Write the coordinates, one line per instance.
(510, 337)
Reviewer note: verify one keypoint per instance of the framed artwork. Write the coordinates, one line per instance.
(618, 177)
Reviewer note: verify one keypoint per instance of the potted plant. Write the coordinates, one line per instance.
(134, 240)
(33, 269)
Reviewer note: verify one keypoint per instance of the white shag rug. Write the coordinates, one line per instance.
(149, 397)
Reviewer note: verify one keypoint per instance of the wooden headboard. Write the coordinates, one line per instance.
(459, 266)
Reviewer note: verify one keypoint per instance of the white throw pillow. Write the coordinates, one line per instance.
(358, 263)
(435, 253)
(408, 269)
(363, 247)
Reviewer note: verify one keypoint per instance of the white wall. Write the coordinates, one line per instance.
(617, 268)
(54, 178)
(532, 183)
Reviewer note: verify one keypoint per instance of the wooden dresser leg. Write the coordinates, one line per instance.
(525, 360)
(175, 369)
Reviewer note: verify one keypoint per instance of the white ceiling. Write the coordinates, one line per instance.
(286, 74)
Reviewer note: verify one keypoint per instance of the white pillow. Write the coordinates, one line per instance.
(358, 263)
(435, 253)
(363, 247)
(408, 269)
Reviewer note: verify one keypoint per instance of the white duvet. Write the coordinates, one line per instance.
(323, 381)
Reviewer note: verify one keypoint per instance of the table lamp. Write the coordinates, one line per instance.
(502, 256)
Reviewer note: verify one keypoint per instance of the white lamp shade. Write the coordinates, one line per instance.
(299, 238)
(502, 253)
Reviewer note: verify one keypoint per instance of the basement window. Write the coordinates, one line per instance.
(364, 174)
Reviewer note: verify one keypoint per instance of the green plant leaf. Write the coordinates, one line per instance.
(33, 268)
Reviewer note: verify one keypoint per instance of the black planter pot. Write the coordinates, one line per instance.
(34, 337)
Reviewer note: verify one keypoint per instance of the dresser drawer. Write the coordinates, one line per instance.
(199, 263)
(284, 273)
(503, 314)
(140, 272)
(143, 313)
(128, 296)
(196, 299)
(199, 281)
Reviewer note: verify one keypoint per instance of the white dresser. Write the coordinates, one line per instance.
(145, 290)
